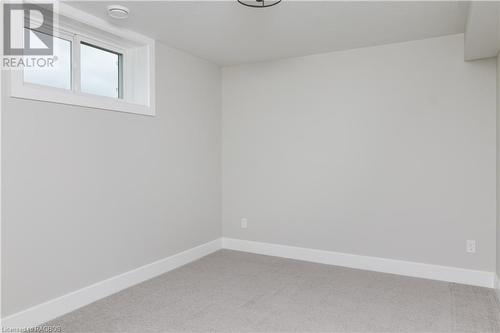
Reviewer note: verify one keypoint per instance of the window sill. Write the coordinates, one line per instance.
(68, 97)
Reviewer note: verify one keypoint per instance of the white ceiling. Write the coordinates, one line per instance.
(228, 33)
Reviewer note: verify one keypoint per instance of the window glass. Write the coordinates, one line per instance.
(58, 76)
(101, 72)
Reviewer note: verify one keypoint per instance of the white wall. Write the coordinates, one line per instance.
(386, 151)
(89, 194)
(498, 168)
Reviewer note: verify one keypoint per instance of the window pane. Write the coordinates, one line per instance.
(59, 75)
(100, 71)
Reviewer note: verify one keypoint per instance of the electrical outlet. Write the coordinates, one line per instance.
(470, 246)
(244, 223)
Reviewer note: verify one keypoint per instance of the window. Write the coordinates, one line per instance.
(97, 65)
(58, 76)
(101, 71)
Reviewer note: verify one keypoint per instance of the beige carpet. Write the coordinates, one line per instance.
(232, 291)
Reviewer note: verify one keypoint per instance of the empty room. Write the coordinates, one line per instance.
(250, 166)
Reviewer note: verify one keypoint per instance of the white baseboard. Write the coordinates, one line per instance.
(407, 268)
(59, 306)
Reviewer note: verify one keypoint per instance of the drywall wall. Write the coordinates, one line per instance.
(386, 151)
(498, 169)
(482, 34)
(89, 194)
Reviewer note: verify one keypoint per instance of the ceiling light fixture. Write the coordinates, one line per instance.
(118, 12)
(259, 3)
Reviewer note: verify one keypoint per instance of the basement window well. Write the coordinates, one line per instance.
(95, 65)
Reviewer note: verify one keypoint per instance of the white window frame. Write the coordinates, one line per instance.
(74, 96)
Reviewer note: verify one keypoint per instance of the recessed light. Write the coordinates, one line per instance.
(118, 12)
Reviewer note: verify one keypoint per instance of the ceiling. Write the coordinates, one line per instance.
(228, 33)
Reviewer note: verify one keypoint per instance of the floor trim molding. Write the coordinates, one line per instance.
(408, 268)
(59, 306)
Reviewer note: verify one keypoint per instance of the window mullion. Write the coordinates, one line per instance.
(76, 71)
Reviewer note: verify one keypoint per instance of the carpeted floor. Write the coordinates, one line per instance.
(231, 291)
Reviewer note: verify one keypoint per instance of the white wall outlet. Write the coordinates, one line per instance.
(470, 246)
(244, 223)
